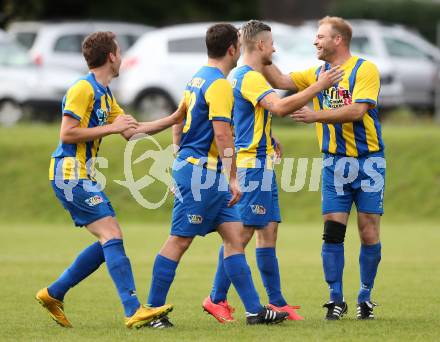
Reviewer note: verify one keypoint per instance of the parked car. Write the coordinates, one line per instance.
(401, 55)
(29, 88)
(155, 70)
(59, 43)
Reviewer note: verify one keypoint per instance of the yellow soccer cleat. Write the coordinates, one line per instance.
(145, 315)
(54, 307)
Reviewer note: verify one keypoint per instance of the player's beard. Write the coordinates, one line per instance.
(325, 54)
(267, 60)
(115, 71)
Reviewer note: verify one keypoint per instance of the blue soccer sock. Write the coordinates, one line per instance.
(369, 259)
(164, 270)
(239, 273)
(87, 262)
(222, 283)
(119, 267)
(333, 264)
(270, 274)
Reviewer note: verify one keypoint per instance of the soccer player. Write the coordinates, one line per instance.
(349, 135)
(254, 103)
(90, 112)
(203, 203)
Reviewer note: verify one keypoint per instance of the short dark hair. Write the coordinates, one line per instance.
(219, 38)
(96, 47)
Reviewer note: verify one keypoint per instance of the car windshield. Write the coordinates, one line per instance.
(26, 38)
(12, 54)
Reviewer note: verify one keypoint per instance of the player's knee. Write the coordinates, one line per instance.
(233, 246)
(182, 243)
(369, 235)
(334, 232)
(266, 238)
(369, 229)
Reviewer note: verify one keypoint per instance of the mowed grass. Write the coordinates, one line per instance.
(32, 255)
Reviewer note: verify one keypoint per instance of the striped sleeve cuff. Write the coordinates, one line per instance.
(264, 94)
(366, 101)
(71, 114)
(220, 118)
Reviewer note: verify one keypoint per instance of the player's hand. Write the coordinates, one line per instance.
(234, 188)
(278, 150)
(327, 78)
(124, 122)
(305, 115)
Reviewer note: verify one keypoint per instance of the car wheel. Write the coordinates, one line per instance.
(154, 104)
(10, 112)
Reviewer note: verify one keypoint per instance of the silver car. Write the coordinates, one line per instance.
(155, 70)
(29, 88)
(59, 43)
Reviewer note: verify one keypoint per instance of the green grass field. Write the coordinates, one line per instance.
(406, 288)
(38, 241)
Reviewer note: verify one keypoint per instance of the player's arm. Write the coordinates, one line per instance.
(177, 135)
(220, 100)
(277, 79)
(72, 133)
(224, 140)
(156, 126)
(79, 103)
(365, 94)
(349, 113)
(284, 106)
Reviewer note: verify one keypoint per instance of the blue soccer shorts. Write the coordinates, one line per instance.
(200, 201)
(259, 203)
(85, 201)
(348, 180)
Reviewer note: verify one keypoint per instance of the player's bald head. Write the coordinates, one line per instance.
(252, 31)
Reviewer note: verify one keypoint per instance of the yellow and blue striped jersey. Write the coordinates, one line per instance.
(208, 96)
(361, 84)
(252, 123)
(92, 105)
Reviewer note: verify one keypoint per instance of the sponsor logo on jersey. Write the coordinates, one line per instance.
(95, 200)
(102, 117)
(336, 97)
(195, 219)
(258, 209)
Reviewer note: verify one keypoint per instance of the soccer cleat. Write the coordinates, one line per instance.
(335, 310)
(145, 315)
(291, 310)
(221, 311)
(161, 323)
(54, 307)
(266, 316)
(365, 310)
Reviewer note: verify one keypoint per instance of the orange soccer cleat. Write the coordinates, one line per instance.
(222, 311)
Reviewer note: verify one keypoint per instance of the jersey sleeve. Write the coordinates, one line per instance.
(255, 87)
(220, 100)
(366, 87)
(303, 79)
(78, 100)
(115, 110)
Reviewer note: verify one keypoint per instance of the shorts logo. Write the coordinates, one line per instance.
(258, 209)
(195, 219)
(95, 200)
